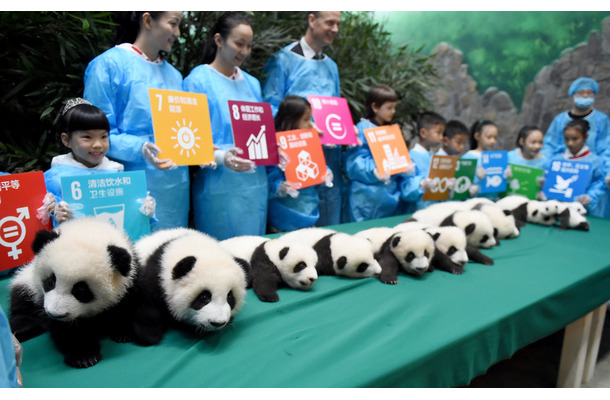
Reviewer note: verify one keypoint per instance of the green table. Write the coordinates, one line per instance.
(441, 330)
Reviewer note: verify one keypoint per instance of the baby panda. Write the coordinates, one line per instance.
(541, 212)
(187, 281)
(515, 205)
(338, 253)
(476, 225)
(570, 215)
(410, 250)
(77, 288)
(452, 241)
(504, 224)
(270, 263)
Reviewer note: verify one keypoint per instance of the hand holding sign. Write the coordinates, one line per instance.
(332, 116)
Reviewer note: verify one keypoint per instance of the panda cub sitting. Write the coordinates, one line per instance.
(269, 263)
(188, 281)
(76, 287)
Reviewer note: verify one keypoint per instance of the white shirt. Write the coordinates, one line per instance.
(308, 52)
(68, 159)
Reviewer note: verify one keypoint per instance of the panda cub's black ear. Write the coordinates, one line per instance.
(469, 229)
(43, 237)
(435, 236)
(120, 259)
(507, 212)
(183, 267)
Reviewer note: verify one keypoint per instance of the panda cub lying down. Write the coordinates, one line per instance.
(76, 288)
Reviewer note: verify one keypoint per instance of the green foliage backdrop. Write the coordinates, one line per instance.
(505, 49)
(44, 56)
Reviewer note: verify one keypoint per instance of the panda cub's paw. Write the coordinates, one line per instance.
(83, 361)
(388, 281)
(121, 338)
(268, 297)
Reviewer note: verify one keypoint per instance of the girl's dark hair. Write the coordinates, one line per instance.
(477, 127)
(81, 117)
(378, 95)
(581, 124)
(223, 26)
(129, 24)
(525, 132)
(290, 111)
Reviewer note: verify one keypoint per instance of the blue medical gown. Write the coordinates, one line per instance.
(514, 157)
(287, 213)
(366, 196)
(8, 362)
(410, 190)
(118, 82)
(553, 143)
(227, 203)
(288, 73)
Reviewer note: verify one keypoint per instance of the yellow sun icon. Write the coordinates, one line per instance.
(186, 138)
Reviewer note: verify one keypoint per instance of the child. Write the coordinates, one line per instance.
(455, 137)
(527, 153)
(575, 135)
(369, 194)
(289, 206)
(83, 131)
(430, 127)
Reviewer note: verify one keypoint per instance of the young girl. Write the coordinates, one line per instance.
(291, 207)
(575, 135)
(83, 130)
(117, 81)
(527, 153)
(370, 194)
(230, 200)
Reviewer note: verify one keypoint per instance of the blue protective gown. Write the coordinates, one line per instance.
(553, 143)
(287, 213)
(410, 190)
(515, 157)
(366, 196)
(227, 203)
(596, 187)
(117, 81)
(288, 73)
(8, 362)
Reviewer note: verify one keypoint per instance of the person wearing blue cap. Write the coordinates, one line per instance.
(302, 69)
(582, 91)
(117, 81)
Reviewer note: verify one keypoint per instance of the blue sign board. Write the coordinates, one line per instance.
(115, 197)
(494, 162)
(566, 180)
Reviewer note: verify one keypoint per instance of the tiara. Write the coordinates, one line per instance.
(72, 103)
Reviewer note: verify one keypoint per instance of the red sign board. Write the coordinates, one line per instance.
(254, 131)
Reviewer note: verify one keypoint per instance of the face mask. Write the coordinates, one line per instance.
(583, 102)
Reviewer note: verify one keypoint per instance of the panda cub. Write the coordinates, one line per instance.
(77, 287)
(188, 281)
(338, 253)
(515, 205)
(570, 215)
(410, 250)
(271, 262)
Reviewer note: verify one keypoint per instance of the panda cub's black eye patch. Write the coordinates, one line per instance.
(48, 283)
(82, 293)
(299, 267)
(451, 250)
(426, 253)
(202, 300)
(484, 239)
(231, 299)
(410, 256)
(362, 267)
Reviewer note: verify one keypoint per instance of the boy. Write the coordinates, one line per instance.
(455, 137)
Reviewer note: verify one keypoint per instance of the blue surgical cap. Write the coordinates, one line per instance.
(583, 83)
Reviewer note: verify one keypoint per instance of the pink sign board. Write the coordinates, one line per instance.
(332, 116)
(254, 131)
(20, 195)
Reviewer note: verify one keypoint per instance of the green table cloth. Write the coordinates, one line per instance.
(440, 330)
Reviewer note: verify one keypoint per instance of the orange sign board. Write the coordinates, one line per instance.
(307, 164)
(181, 121)
(442, 170)
(388, 148)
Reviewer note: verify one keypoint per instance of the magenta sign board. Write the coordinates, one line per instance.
(332, 116)
(254, 131)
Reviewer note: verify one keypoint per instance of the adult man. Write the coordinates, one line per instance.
(302, 69)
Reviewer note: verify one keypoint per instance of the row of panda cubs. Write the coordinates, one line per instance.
(88, 280)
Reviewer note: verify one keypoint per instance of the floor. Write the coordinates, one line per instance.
(537, 365)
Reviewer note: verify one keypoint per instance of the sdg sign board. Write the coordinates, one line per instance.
(307, 164)
(388, 148)
(20, 196)
(254, 131)
(332, 116)
(114, 197)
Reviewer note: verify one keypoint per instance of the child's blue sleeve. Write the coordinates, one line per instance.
(597, 187)
(359, 164)
(275, 177)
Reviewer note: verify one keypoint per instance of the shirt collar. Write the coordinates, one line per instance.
(582, 153)
(68, 159)
(308, 52)
(136, 51)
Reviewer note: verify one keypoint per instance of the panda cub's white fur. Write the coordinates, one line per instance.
(411, 225)
(338, 253)
(264, 258)
(190, 279)
(450, 240)
(504, 224)
(570, 215)
(377, 236)
(541, 212)
(477, 226)
(76, 287)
